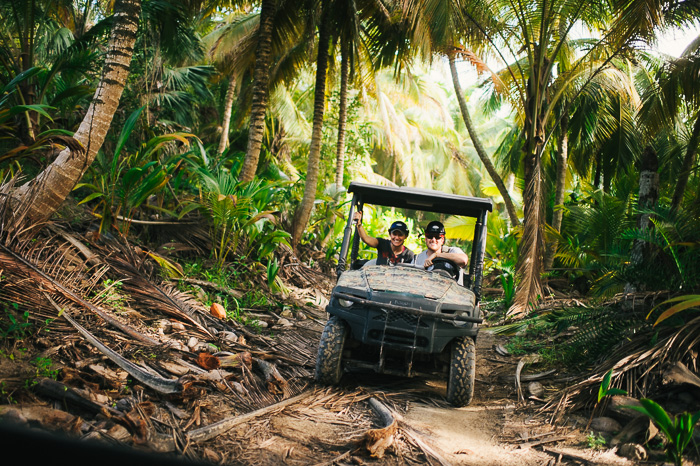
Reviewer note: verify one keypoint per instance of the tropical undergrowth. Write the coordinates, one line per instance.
(575, 337)
(186, 207)
(629, 302)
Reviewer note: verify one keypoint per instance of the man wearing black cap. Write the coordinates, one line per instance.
(435, 241)
(389, 251)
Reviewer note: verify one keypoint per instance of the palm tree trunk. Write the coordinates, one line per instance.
(51, 187)
(342, 115)
(261, 82)
(510, 207)
(228, 108)
(562, 165)
(684, 175)
(303, 213)
(648, 197)
(598, 170)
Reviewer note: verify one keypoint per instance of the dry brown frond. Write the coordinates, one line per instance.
(165, 299)
(529, 289)
(637, 368)
(482, 68)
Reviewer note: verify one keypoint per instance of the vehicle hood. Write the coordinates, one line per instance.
(402, 279)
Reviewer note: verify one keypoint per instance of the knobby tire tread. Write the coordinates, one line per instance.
(330, 351)
(460, 384)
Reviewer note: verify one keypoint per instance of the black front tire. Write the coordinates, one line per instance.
(460, 384)
(329, 362)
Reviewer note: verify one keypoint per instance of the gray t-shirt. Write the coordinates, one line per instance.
(419, 260)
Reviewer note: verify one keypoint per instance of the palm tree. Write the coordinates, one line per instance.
(358, 23)
(229, 48)
(26, 27)
(48, 190)
(303, 212)
(535, 34)
(560, 186)
(478, 145)
(439, 27)
(261, 82)
(677, 96)
(342, 114)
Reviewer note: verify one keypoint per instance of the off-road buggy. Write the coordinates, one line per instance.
(402, 319)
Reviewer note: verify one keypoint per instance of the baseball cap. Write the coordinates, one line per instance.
(435, 227)
(399, 225)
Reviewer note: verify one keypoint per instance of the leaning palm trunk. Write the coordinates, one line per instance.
(226, 122)
(687, 166)
(342, 117)
(510, 207)
(261, 82)
(303, 213)
(562, 165)
(52, 186)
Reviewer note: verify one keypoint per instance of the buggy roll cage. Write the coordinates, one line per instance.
(426, 200)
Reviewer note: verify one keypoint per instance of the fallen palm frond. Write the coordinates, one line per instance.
(157, 383)
(14, 263)
(637, 367)
(218, 428)
(168, 300)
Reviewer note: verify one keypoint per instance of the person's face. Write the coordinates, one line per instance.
(434, 241)
(397, 237)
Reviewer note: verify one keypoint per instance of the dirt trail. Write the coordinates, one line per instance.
(472, 435)
(492, 430)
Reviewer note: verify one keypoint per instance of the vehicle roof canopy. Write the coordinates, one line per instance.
(420, 199)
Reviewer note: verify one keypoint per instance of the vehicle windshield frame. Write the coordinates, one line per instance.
(420, 200)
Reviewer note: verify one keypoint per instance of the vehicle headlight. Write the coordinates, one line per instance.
(345, 302)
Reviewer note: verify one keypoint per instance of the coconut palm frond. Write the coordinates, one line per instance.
(599, 330)
(37, 265)
(637, 368)
(163, 299)
(530, 287)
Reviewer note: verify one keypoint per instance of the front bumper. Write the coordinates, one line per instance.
(420, 327)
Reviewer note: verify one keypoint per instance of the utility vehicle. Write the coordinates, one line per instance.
(401, 319)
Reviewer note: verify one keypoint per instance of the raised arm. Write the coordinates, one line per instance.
(367, 239)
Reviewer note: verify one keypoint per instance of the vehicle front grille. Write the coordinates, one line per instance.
(394, 317)
(397, 337)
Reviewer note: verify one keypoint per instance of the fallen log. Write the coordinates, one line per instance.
(377, 441)
(386, 414)
(212, 430)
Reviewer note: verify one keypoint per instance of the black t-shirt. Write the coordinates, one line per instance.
(385, 255)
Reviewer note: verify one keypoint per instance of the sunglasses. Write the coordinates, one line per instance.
(434, 235)
(397, 233)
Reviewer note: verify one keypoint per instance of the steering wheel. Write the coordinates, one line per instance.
(445, 267)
